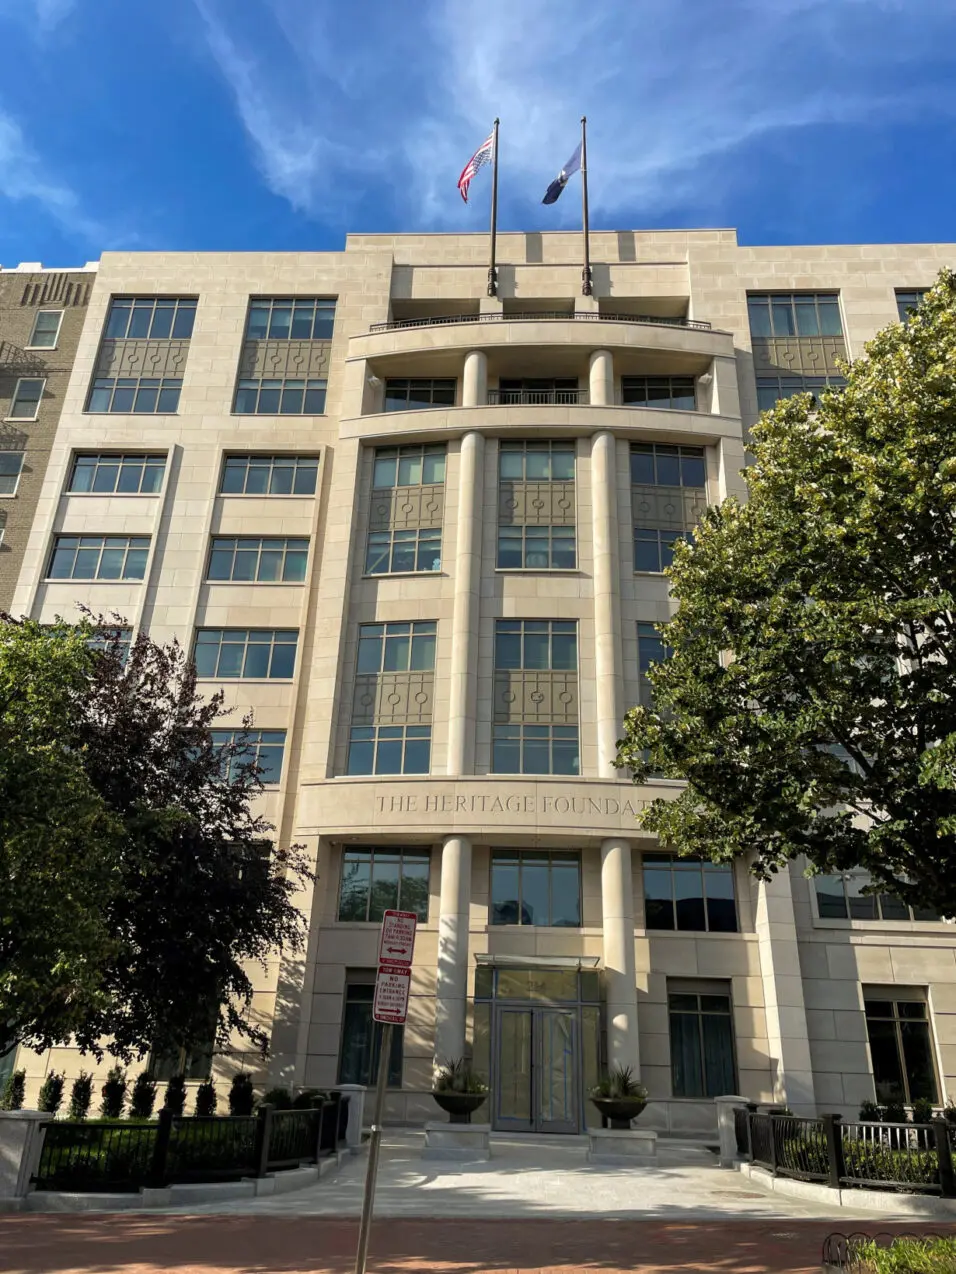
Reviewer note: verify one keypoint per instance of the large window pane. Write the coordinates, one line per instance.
(535, 888)
(374, 880)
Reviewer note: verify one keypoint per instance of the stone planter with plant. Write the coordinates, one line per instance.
(619, 1097)
(459, 1091)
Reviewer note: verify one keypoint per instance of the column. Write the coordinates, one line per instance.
(474, 382)
(601, 378)
(451, 991)
(608, 653)
(617, 901)
(463, 689)
(787, 1033)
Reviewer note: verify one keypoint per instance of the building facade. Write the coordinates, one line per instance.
(419, 532)
(41, 317)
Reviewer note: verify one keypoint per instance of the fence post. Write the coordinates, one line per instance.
(773, 1142)
(944, 1154)
(263, 1133)
(833, 1130)
(336, 1098)
(157, 1168)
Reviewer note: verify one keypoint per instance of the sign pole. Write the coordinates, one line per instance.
(375, 1141)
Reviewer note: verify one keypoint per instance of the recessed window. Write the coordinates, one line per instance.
(151, 318)
(194, 1063)
(537, 548)
(901, 1045)
(290, 319)
(269, 475)
(245, 654)
(654, 548)
(416, 395)
(396, 551)
(651, 649)
(281, 397)
(656, 464)
(770, 389)
(11, 463)
(908, 302)
(26, 398)
(401, 748)
(702, 1040)
(135, 395)
(99, 557)
(376, 880)
(362, 1035)
(674, 393)
(112, 641)
(536, 644)
(397, 647)
(534, 887)
(535, 749)
(259, 560)
(263, 747)
(408, 466)
(103, 474)
(390, 749)
(688, 894)
(536, 462)
(46, 329)
(783, 314)
(842, 897)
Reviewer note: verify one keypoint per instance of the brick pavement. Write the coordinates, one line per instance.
(142, 1244)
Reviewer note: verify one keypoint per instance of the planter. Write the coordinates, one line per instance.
(459, 1106)
(619, 1111)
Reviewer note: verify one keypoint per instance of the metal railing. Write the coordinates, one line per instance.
(536, 397)
(742, 1131)
(101, 1157)
(210, 1149)
(547, 316)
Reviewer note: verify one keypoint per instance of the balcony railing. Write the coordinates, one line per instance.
(544, 317)
(536, 397)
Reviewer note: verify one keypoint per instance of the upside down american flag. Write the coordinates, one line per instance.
(483, 155)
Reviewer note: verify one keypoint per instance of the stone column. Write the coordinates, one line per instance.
(474, 382)
(463, 679)
(601, 377)
(617, 901)
(21, 1139)
(451, 991)
(608, 652)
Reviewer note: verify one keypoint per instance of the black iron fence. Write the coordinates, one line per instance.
(543, 317)
(851, 1252)
(101, 1157)
(840, 1154)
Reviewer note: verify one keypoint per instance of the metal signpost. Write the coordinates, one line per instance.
(390, 1007)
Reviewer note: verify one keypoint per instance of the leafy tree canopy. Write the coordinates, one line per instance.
(810, 698)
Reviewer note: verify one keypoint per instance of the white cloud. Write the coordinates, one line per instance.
(40, 16)
(387, 101)
(24, 177)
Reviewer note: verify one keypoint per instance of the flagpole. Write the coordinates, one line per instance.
(586, 272)
(492, 268)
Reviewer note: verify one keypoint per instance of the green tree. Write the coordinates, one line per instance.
(809, 702)
(58, 840)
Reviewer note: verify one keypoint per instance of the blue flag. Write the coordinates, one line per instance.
(559, 183)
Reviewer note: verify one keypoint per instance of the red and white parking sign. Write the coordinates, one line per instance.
(398, 937)
(391, 994)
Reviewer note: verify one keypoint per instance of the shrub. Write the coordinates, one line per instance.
(174, 1099)
(458, 1077)
(81, 1096)
(280, 1098)
(894, 1112)
(113, 1094)
(241, 1097)
(869, 1112)
(949, 1110)
(206, 1099)
(143, 1098)
(51, 1093)
(306, 1098)
(13, 1091)
(617, 1083)
(922, 1110)
(907, 1256)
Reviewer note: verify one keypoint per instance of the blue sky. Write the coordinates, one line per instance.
(281, 124)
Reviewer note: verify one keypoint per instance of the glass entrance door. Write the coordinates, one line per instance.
(536, 1070)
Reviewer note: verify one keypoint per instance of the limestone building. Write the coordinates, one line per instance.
(41, 317)
(419, 531)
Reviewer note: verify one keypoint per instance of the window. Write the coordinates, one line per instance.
(783, 314)
(264, 747)
(901, 1045)
(841, 897)
(537, 548)
(401, 748)
(242, 653)
(688, 894)
(11, 462)
(908, 302)
(375, 880)
(651, 649)
(654, 464)
(536, 462)
(262, 560)
(535, 749)
(392, 552)
(102, 474)
(536, 644)
(397, 647)
(26, 399)
(535, 888)
(113, 641)
(702, 1040)
(269, 475)
(677, 393)
(151, 318)
(46, 329)
(290, 319)
(770, 389)
(362, 1036)
(194, 1063)
(654, 548)
(408, 466)
(414, 395)
(99, 557)
(280, 397)
(523, 545)
(135, 395)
